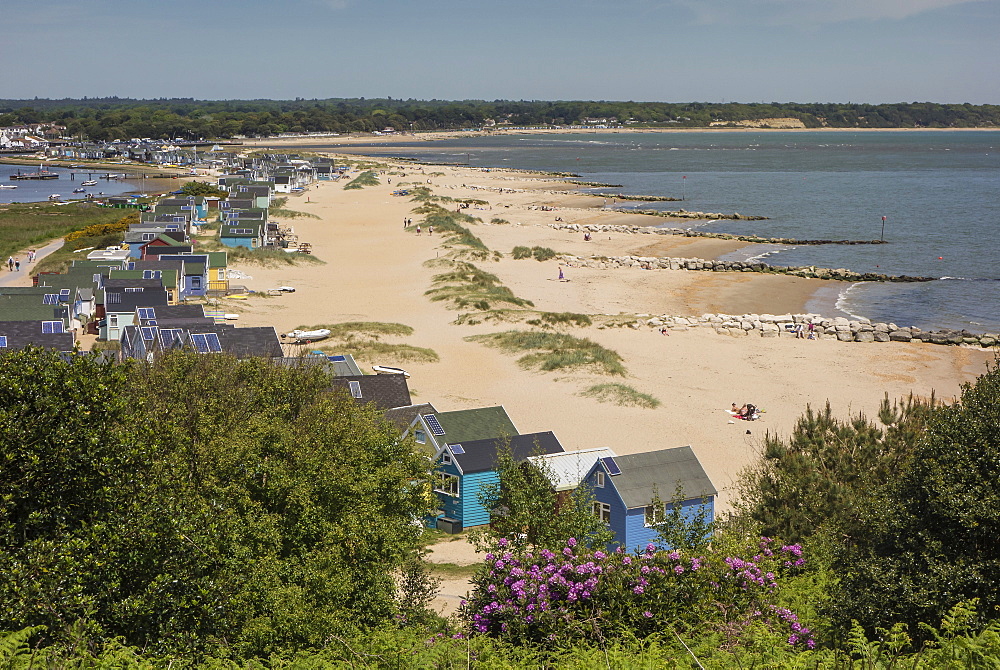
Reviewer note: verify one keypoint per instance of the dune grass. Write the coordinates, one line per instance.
(267, 258)
(369, 329)
(362, 340)
(277, 210)
(366, 178)
(554, 351)
(384, 353)
(538, 253)
(552, 319)
(466, 286)
(620, 394)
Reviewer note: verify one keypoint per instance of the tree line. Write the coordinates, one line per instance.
(102, 119)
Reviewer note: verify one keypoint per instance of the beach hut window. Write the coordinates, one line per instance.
(420, 437)
(599, 479)
(355, 389)
(602, 511)
(655, 515)
(448, 484)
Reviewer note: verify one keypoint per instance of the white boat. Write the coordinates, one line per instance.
(307, 336)
(8, 186)
(55, 196)
(89, 182)
(389, 370)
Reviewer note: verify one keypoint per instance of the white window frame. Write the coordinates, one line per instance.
(420, 436)
(448, 484)
(602, 511)
(599, 479)
(446, 458)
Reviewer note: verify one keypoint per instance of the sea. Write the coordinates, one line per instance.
(938, 191)
(31, 190)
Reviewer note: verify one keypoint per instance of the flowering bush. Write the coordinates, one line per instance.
(579, 594)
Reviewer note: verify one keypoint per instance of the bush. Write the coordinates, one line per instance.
(620, 394)
(554, 351)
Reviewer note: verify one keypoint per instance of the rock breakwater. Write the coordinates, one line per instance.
(814, 326)
(700, 264)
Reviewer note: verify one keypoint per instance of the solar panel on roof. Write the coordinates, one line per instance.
(3, 341)
(433, 424)
(64, 291)
(355, 389)
(213, 342)
(50, 299)
(457, 449)
(147, 313)
(169, 336)
(52, 326)
(148, 333)
(337, 359)
(611, 466)
(200, 342)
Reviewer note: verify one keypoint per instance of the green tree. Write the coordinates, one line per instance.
(197, 188)
(527, 510)
(930, 540)
(823, 474)
(200, 503)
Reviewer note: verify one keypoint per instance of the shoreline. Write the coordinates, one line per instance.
(375, 270)
(436, 135)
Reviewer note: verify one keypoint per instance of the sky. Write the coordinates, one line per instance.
(862, 51)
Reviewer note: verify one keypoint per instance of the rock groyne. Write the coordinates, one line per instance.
(814, 326)
(700, 264)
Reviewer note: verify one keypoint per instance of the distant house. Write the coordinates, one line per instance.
(464, 468)
(624, 488)
(118, 300)
(432, 432)
(385, 391)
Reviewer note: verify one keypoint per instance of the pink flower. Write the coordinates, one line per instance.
(647, 614)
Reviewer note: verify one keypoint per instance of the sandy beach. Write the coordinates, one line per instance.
(376, 271)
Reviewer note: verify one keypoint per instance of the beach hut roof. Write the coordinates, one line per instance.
(662, 473)
(568, 469)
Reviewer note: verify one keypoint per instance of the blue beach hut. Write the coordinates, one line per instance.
(463, 469)
(624, 488)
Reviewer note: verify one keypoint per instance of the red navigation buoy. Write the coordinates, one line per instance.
(940, 258)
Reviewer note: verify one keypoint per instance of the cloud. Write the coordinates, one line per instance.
(809, 12)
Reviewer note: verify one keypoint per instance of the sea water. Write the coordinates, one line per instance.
(939, 192)
(37, 190)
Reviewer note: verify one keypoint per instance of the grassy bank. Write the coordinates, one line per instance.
(27, 225)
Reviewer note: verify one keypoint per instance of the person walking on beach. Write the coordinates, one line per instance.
(562, 277)
(17, 264)
(10, 263)
(418, 229)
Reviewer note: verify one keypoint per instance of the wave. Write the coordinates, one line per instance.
(841, 303)
(967, 279)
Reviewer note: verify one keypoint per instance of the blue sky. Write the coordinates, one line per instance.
(653, 50)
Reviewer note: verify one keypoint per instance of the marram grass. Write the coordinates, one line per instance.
(620, 394)
(554, 351)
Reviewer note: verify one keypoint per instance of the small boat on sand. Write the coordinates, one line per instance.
(389, 370)
(307, 336)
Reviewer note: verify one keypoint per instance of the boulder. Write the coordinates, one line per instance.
(901, 335)
(865, 336)
(845, 336)
(881, 336)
